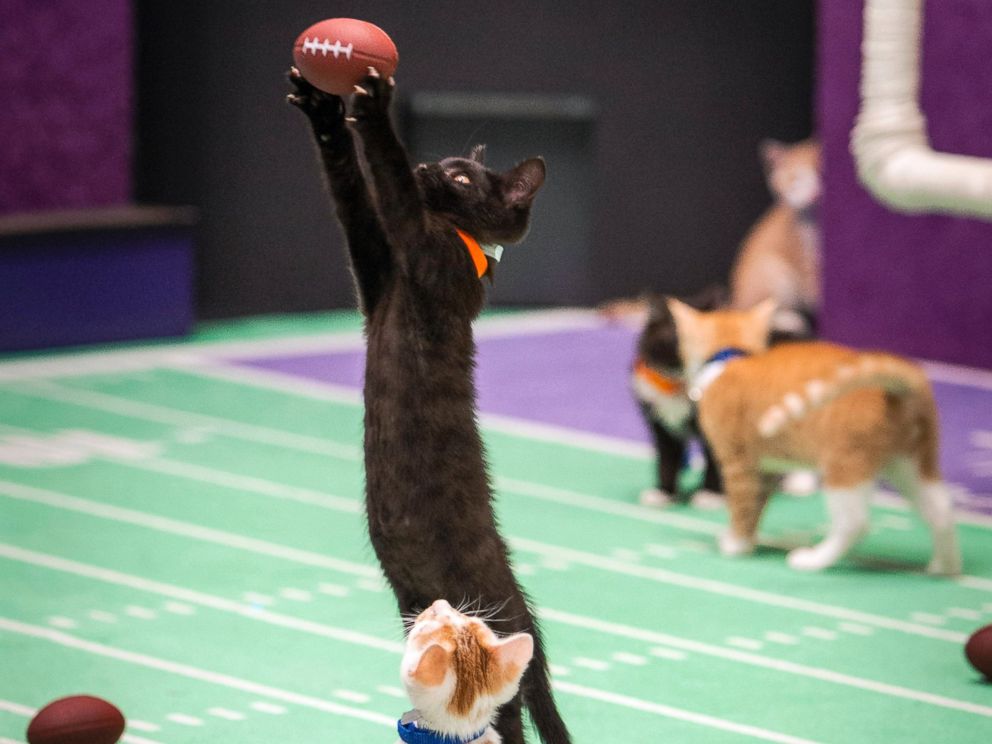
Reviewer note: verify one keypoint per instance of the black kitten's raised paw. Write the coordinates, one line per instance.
(325, 110)
(372, 97)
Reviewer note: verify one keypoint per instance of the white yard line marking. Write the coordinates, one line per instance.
(964, 613)
(671, 654)
(142, 613)
(182, 353)
(272, 709)
(746, 643)
(184, 720)
(190, 672)
(683, 715)
(822, 633)
(65, 623)
(671, 647)
(254, 598)
(333, 590)
(179, 608)
(372, 581)
(180, 418)
(139, 725)
(9, 706)
(862, 630)
(132, 739)
(586, 663)
(227, 715)
(183, 529)
(352, 696)
(928, 617)
(665, 576)
(391, 691)
(101, 616)
(193, 597)
(625, 657)
(323, 391)
(237, 481)
(826, 675)
(955, 375)
(785, 639)
(974, 582)
(296, 595)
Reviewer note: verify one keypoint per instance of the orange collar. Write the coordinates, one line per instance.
(475, 251)
(667, 385)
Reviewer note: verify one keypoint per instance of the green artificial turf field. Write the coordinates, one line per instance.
(189, 543)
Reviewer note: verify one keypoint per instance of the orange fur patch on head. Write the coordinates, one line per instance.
(474, 671)
(432, 666)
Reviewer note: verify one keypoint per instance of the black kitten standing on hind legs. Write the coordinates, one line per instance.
(414, 240)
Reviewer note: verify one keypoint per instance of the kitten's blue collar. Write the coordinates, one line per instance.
(410, 733)
(725, 355)
(711, 369)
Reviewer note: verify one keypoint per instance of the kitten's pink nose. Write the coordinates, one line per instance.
(441, 605)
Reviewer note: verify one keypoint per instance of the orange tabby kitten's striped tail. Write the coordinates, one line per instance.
(869, 370)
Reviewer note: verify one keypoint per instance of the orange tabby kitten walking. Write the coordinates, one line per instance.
(856, 416)
(457, 672)
(780, 257)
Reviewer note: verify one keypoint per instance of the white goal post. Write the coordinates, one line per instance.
(889, 141)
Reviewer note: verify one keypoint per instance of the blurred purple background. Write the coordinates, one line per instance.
(66, 74)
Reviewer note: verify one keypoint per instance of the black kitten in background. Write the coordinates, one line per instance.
(657, 382)
(414, 240)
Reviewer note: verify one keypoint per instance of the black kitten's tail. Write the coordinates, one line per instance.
(539, 699)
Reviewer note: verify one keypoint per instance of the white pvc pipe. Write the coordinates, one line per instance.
(890, 144)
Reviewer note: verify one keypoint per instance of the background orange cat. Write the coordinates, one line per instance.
(780, 256)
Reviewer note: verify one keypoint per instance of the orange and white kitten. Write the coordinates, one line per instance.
(855, 416)
(780, 257)
(457, 672)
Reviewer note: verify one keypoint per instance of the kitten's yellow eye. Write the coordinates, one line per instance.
(462, 178)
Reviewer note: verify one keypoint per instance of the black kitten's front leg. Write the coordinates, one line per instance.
(398, 195)
(367, 244)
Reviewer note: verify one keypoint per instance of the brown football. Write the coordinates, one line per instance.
(978, 650)
(78, 719)
(334, 55)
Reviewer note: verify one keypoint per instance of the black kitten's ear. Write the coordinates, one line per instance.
(479, 154)
(711, 297)
(657, 308)
(523, 181)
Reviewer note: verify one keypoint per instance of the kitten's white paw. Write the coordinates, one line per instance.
(734, 545)
(708, 500)
(800, 483)
(945, 565)
(656, 497)
(811, 559)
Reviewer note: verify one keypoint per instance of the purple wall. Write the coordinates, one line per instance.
(65, 124)
(917, 285)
